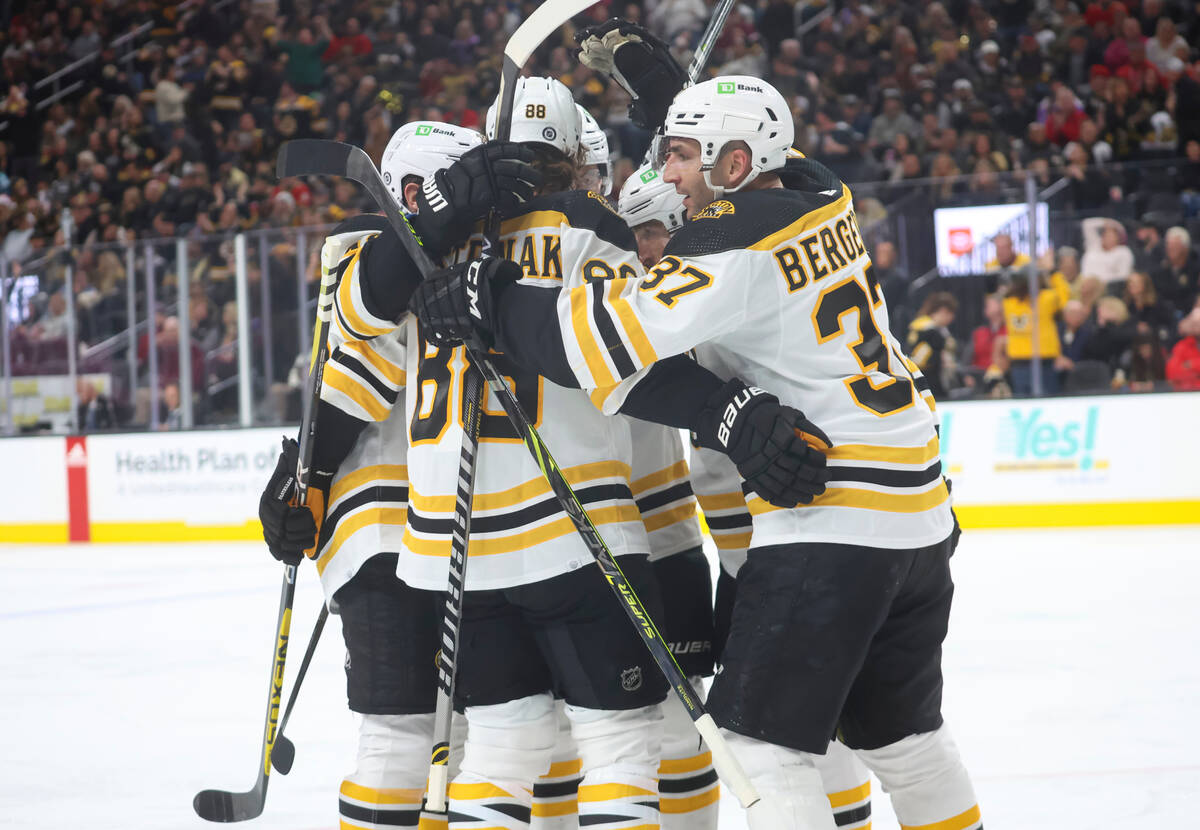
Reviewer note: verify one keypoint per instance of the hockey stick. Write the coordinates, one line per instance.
(283, 753)
(222, 805)
(708, 39)
(313, 157)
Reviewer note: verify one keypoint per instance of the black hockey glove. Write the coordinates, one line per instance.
(639, 62)
(455, 304)
(291, 530)
(494, 175)
(776, 449)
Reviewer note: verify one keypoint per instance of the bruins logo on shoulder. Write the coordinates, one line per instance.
(715, 209)
(602, 201)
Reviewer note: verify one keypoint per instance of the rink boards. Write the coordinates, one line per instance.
(1063, 462)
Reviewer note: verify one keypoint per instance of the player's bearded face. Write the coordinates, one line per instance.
(681, 167)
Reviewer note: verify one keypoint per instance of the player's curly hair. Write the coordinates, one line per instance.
(558, 169)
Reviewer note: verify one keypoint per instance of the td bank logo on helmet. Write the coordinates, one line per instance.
(649, 176)
(730, 87)
(429, 129)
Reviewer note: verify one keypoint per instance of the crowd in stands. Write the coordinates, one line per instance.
(173, 128)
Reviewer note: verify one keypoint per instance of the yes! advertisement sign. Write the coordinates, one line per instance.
(1073, 460)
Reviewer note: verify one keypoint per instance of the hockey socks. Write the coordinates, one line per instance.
(927, 782)
(689, 793)
(368, 808)
(387, 787)
(688, 790)
(847, 785)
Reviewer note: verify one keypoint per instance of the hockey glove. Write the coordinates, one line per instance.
(639, 62)
(289, 529)
(774, 447)
(493, 175)
(455, 304)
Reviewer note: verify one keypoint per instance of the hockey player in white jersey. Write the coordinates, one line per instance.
(537, 617)
(355, 521)
(688, 789)
(844, 601)
(654, 210)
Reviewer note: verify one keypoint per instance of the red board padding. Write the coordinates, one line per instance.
(78, 524)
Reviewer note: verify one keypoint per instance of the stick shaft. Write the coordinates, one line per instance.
(435, 795)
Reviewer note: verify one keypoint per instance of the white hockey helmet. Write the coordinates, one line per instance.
(733, 108)
(646, 197)
(595, 149)
(543, 113)
(421, 148)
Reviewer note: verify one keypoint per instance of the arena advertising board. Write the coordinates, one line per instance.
(1062, 462)
(965, 235)
(1119, 459)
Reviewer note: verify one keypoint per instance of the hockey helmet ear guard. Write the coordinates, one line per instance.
(421, 148)
(543, 113)
(646, 197)
(733, 108)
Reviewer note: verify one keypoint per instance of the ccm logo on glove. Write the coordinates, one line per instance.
(734, 407)
(473, 289)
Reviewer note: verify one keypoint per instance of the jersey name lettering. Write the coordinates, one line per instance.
(820, 253)
(538, 255)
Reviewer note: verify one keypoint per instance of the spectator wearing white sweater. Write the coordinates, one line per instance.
(1105, 254)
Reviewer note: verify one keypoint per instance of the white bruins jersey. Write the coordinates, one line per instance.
(775, 286)
(662, 489)
(719, 491)
(368, 497)
(519, 533)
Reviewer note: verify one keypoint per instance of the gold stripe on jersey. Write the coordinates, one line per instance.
(536, 219)
(657, 521)
(488, 546)
(385, 370)
(346, 528)
(575, 476)
(888, 455)
(634, 332)
(367, 475)
(362, 324)
(812, 219)
(731, 541)
(593, 355)
(676, 472)
(599, 396)
(718, 506)
(365, 402)
(865, 499)
(712, 502)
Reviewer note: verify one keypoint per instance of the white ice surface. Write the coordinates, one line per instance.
(131, 677)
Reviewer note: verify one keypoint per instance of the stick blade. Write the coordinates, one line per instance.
(545, 20)
(283, 753)
(226, 807)
(313, 157)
